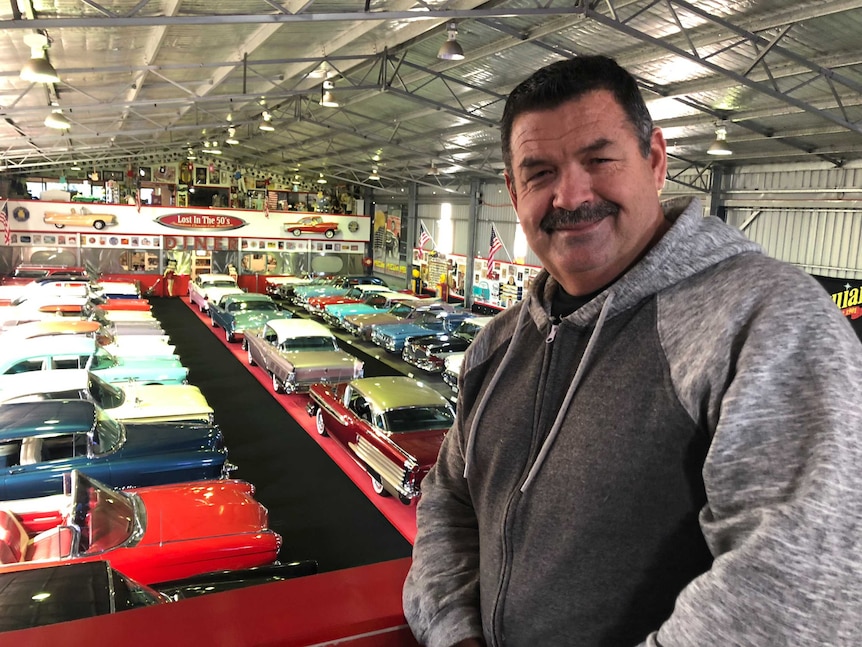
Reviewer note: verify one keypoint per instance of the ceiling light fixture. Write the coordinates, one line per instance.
(38, 69)
(56, 119)
(266, 122)
(432, 170)
(719, 146)
(74, 167)
(374, 175)
(327, 97)
(321, 179)
(451, 50)
(231, 137)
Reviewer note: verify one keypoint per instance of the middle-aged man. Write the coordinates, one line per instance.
(659, 446)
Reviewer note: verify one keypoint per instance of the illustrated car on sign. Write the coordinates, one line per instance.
(298, 353)
(312, 225)
(153, 534)
(392, 337)
(79, 218)
(123, 402)
(43, 440)
(72, 351)
(43, 593)
(211, 287)
(236, 313)
(429, 352)
(362, 325)
(392, 426)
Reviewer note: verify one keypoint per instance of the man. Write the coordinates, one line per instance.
(652, 448)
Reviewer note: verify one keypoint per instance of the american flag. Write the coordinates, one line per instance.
(496, 244)
(4, 220)
(424, 236)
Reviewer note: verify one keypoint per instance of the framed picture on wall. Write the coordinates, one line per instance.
(201, 175)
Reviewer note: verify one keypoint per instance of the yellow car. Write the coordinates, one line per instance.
(82, 218)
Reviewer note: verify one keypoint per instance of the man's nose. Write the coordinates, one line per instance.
(574, 187)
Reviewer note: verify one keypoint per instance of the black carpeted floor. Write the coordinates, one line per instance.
(317, 510)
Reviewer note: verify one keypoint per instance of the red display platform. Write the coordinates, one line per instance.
(402, 517)
(359, 607)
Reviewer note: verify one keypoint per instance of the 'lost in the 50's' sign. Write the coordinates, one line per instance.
(198, 221)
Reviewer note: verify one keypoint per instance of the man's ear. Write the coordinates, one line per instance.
(658, 158)
(510, 187)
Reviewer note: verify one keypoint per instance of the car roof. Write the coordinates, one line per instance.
(286, 328)
(33, 329)
(391, 392)
(46, 416)
(35, 382)
(247, 296)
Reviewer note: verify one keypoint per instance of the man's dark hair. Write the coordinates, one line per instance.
(553, 85)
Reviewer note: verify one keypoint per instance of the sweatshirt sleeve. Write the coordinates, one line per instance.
(441, 593)
(783, 479)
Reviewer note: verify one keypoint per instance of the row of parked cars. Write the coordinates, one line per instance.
(112, 467)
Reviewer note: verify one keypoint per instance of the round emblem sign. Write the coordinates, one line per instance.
(353, 226)
(20, 214)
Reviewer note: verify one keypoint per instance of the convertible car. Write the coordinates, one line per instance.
(298, 353)
(392, 337)
(332, 286)
(392, 426)
(211, 287)
(72, 351)
(236, 313)
(334, 314)
(429, 352)
(123, 402)
(43, 440)
(82, 218)
(312, 225)
(354, 294)
(35, 594)
(362, 325)
(152, 534)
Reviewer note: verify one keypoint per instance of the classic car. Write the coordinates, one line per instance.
(120, 314)
(79, 218)
(39, 308)
(211, 287)
(41, 441)
(72, 351)
(332, 286)
(392, 337)
(361, 325)
(121, 345)
(354, 294)
(236, 313)
(14, 295)
(452, 369)
(298, 353)
(282, 287)
(123, 402)
(335, 313)
(153, 534)
(392, 426)
(35, 594)
(117, 289)
(28, 272)
(429, 353)
(111, 304)
(145, 327)
(312, 225)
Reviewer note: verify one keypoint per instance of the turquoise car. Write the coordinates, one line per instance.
(73, 351)
(393, 337)
(236, 313)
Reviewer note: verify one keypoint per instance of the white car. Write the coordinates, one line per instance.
(452, 369)
(123, 402)
(211, 287)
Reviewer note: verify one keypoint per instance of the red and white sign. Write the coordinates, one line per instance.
(201, 221)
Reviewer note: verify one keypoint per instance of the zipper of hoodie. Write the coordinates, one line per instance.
(515, 497)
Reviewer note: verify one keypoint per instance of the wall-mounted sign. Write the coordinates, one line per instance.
(200, 221)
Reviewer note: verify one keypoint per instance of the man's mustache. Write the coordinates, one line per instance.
(557, 218)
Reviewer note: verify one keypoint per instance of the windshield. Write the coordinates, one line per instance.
(309, 343)
(409, 419)
(105, 517)
(467, 331)
(253, 306)
(102, 359)
(107, 434)
(105, 395)
(401, 310)
(220, 284)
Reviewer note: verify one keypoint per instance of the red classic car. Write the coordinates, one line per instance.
(152, 534)
(392, 426)
(28, 272)
(312, 225)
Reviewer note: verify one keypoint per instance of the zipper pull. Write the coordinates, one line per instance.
(555, 323)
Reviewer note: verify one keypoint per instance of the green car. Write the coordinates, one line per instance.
(236, 313)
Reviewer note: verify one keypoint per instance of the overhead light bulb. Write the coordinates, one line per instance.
(38, 69)
(432, 170)
(451, 50)
(74, 167)
(321, 179)
(374, 175)
(56, 119)
(231, 137)
(719, 146)
(327, 97)
(266, 122)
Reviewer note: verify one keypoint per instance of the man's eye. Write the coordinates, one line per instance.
(538, 175)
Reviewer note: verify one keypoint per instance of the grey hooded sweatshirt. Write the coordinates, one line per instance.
(677, 463)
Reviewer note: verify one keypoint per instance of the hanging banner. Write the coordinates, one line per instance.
(847, 295)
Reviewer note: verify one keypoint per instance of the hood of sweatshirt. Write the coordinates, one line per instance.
(691, 245)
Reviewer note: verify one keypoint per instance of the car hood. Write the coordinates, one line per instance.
(248, 320)
(201, 509)
(148, 439)
(424, 446)
(444, 344)
(150, 372)
(305, 360)
(175, 401)
(405, 329)
(372, 319)
(345, 309)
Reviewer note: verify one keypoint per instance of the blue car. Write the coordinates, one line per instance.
(333, 287)
(393, 337)
(236, 313)
(75, 351)
(41, 441)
